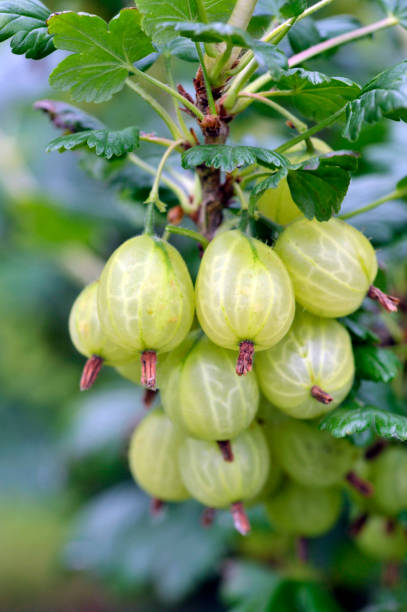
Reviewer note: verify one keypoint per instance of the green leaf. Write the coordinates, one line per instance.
(106, 143)
(359, 331)
(68, 118)
(25, 22)
(270, 182)
(396, 8)
(383, 96)
(315, 94)
(375, 363)
(155, 12)
(319, 185)
(227, 157)
(281, 8)
(304, 34)
(267, 55)
(103, 56)
(355, 419)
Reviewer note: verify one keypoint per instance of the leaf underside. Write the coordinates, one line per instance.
(106, 143)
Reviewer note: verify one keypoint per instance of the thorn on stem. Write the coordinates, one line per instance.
(320, 395)
(357, 525)
(225, 448)
(149, 397)
(90, 372)
(389, 302)
(149, 369)
(363, 487)
(208, 516)
(245, 359)
(240, 518)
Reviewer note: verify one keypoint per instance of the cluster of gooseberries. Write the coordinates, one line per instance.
(243, 383)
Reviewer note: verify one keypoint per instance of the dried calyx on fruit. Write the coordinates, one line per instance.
(332, 266)
(146, 300)
(244, 296)
(277, 204)
(202, 394)
(90, 339)
(311, 370)
(153, 457)
(220, 484)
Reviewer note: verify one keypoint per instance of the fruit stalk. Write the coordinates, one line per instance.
(362, 486)
(90, 372)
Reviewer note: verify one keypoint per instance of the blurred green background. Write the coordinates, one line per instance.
(75, 532)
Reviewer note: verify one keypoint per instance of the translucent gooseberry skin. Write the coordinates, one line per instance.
(277, 204)
(153, 457)
(145, 297)
(331, 265)
(311, 457)
(243, 292)
(389, 477)
(86, 331)
(304, 511)
(217, 483)
(376, 540)
(315, 351)
(202, 393)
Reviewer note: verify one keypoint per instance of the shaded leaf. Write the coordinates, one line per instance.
(355, 419)
(68, 118)
(103, 54)
(376, 363)
(383, 96)
(308, 32)
(270, 182)
(25, 22)
(267, 55)
(359, 331)
(303, 35)
(281, 8)
(228, 157)
(336, 25)
(319, 185)
(155, 12)
(315, 94)
(106, 143)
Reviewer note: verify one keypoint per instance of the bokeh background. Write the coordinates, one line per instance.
(75, 532)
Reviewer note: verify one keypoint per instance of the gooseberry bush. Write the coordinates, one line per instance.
(259, 361)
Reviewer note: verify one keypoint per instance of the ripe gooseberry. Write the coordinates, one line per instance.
(244, 296)
(332, 266)
(311, 370)
(312, 457)
(146, 300)
(389, 478)
(219, 484)
(153, 457)
(277, 204)
(202, 393)
(90, 339)
(304, 511)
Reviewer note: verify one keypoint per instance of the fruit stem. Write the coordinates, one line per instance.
(389, 302)
(299, 125)
(225, 448)
(363, 487)
(149, 369)
(157, 506)
(208, 516)
(149, 222)
(208, 88)
(149, 397)
(240, 518)
(320, 395)
(375, 449)
(357, 525)
(90, 372)
(302, 549)
(394, 195)
(154, 193)
(311, 131)
(183, 231)
(244, 362)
